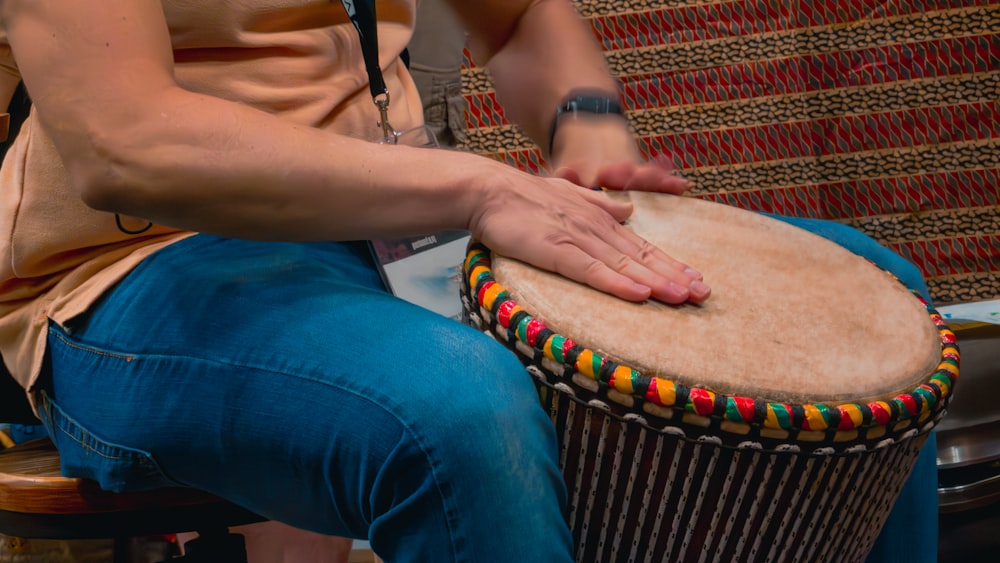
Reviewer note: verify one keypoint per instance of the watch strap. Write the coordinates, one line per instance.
(593, 103)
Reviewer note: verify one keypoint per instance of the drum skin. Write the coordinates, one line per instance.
(775, 422)
(793, 317)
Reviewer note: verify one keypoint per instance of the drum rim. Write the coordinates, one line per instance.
(917, 405)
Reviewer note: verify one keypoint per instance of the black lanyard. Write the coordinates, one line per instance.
(362, 14)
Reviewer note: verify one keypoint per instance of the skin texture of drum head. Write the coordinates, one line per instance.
(793, 318)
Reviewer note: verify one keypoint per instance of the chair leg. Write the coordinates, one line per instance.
(123, 549)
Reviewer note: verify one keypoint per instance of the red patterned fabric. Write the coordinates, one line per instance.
(884, 115)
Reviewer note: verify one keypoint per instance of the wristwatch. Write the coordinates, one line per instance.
(596, 103)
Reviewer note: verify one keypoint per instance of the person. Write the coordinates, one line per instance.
(436, 55)
(188, 299)
(257, 359)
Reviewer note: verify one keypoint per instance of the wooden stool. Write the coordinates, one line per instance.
(37, 503)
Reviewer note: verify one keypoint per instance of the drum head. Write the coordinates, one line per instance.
(793, 317)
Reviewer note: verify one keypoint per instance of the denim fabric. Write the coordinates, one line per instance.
(284, 378)
(26, 432)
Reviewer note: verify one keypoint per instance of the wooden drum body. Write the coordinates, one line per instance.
(778, 421)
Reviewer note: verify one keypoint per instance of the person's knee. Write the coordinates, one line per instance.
(493, 384)
(484, 420)
(477, 365)
(491, 396)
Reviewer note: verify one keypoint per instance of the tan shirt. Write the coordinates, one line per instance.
(298, 59)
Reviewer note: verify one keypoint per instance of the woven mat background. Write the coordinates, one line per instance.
(880, 114)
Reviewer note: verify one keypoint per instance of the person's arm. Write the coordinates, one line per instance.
(135, 142)
(9, 81)
(538, 52)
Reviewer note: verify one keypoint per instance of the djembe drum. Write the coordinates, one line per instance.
(777, 421)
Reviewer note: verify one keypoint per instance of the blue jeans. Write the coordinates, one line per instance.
(284, 378)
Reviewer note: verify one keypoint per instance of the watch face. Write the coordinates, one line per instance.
(596, 103)
(591, 104)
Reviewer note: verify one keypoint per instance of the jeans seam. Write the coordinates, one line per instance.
(85, 444)
(66, 431)
(91, 349)
(81, 440)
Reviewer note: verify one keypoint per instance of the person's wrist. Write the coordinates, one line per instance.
(483, 185)
(585, 104)
(592, 140)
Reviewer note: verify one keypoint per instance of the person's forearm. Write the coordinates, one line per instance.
(550, 52)
(134, 142)
(200, 163)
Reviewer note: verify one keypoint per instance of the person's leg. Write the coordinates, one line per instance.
(274, 542)
(910, 534)
(282, 377)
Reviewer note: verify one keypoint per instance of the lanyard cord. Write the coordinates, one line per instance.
(362, 14)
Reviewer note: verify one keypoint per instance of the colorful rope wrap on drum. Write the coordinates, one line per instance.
(737, 413)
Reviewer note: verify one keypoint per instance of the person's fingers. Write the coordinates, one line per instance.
(576, 264)
(628, 176)
(669, 288)
(619, 210)
(568, 173)
(655, 179)
(628, 254)
(670, 280)
(657, 175)
(615, 176)
(606, 269)
(578, 233)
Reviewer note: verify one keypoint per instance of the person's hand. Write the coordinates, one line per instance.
(600, 152)
(555, 225)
